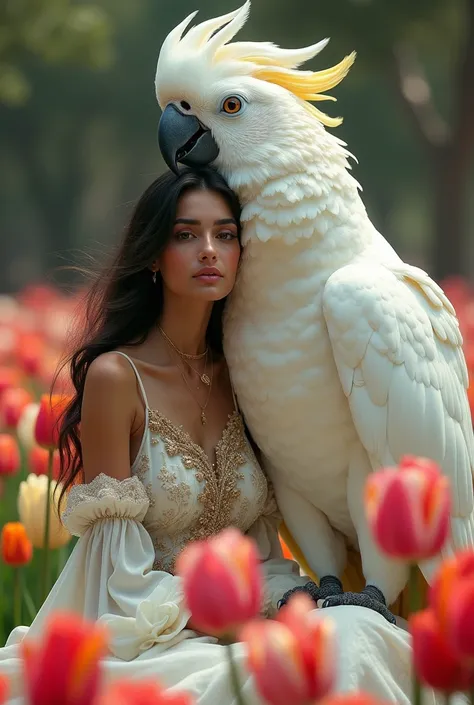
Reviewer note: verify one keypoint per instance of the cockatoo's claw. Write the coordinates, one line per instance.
(370, 597)
(329, 585)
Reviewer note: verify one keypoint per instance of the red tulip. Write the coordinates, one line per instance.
(293, 658)
(144, 692)
(9, 377)
(352, 699)
(460, 621)
(38, 459)
(451, 573)
(16, 547)
(48, 420)
(408, 509)
(222, 581)
(3, 690)
(64, 668)
(12, 403)
(9, 455)
(435, 662)
(30, 352)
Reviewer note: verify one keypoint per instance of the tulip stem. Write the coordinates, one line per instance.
(234, 677)
(16, 597)
(45, 586)
(415, 606)
(471, 696)
(30, 606)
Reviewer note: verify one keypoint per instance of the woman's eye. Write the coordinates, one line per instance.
(227, 235)
(184, 235)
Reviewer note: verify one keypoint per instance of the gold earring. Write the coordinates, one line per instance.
(154, 277)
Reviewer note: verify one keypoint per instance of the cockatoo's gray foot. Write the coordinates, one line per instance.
(328, 586)
(370, 597)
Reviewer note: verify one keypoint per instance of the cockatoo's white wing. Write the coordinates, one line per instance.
(398, 351)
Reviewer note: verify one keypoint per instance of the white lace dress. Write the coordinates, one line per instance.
(121, 572)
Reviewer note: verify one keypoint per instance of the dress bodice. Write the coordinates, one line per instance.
(191, 497)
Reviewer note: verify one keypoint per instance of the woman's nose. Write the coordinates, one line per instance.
(208, 252)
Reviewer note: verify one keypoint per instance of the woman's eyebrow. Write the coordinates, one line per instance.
(192, 221)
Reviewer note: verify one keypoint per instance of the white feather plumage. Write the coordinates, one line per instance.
(343, 357)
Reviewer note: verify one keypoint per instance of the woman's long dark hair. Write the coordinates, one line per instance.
(124, 304)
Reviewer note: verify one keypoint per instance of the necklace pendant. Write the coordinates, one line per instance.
(205, 379)
(203, 418)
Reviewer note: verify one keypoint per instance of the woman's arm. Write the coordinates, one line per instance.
(109, 410)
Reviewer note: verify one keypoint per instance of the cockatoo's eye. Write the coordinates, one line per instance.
(185, 105)
(232, 105)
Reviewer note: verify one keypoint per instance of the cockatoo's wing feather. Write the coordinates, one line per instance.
(398, 351)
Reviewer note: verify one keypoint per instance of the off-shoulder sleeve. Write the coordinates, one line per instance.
(280, 573)
(109, 576)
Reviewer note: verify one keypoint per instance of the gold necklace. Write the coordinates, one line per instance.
(203, 408)
(203, 377)
(182, 354)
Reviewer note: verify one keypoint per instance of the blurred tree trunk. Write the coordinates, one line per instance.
(449, 148)
(55, 200)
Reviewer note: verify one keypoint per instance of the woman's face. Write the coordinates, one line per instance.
(203, 254)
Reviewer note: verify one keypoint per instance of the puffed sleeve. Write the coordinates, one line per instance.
(280, 573)
(109, 576)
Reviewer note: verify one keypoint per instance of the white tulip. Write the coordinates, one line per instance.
(26, 426)
(32, 497)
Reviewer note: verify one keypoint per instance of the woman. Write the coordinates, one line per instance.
(164, 458)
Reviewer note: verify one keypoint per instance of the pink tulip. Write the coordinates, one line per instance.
(408, 509)
(222, 581)
(292, 658)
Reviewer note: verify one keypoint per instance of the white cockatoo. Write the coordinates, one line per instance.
(343, 357)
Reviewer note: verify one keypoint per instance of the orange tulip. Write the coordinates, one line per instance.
(12, 403)
(49, 419)
(3, 690)
(222, 581)
(144, 692)
(435, 662)
(65, 667)
(293, 658)
(9, 455)
(408, 509)
(16, 547)
(38, 459)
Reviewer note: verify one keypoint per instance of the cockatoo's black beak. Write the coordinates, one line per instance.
(183, 139)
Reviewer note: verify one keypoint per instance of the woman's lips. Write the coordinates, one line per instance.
(208, 277)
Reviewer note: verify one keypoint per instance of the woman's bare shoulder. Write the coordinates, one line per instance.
(110, 368)
(108, 412)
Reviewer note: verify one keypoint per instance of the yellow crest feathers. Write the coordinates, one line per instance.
(209, 41)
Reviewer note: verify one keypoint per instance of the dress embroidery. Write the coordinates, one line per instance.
(191, 498)
(143, 473)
